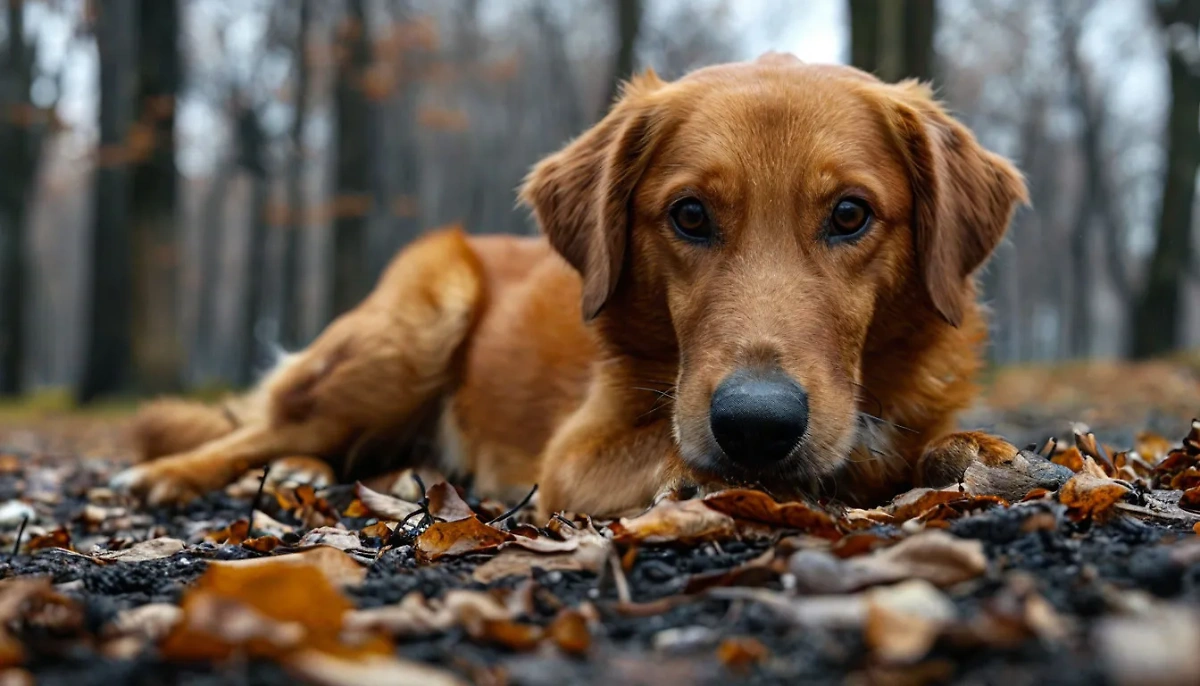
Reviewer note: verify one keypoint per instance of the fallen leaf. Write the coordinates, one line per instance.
(447, 539)
(269, 607)
(904, 621)
(916, 502)
(685, 522)
(262, 544)
(758, 571)
(1086, 495)
(446, 504)
(1151, 447)
(234, 534)
(356, 509)
(384, 506)
(759, 507)
(1016, 478)
(154, 549)
(583, 550)
(933, 556)
(569, 631)
(337, 567)
(329, 670)
(740, 652)
(56, 538)
(150, 622)
(332, 537)
(1156, 648)
(1071, 458)
(516, 636)
(416, 615)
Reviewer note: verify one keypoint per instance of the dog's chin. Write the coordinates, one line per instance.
(801, 474)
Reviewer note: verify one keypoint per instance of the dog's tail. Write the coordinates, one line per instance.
(172, 425)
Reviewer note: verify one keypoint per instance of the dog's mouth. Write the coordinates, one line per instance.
(799, 474)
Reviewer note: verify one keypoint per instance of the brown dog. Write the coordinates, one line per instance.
(759, 274)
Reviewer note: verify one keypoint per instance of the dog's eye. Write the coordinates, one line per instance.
(690, 220)
(850, 218)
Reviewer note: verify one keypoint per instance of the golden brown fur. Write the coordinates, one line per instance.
(585, 361)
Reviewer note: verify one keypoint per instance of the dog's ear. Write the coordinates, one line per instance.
(964, 196)
(581, 195)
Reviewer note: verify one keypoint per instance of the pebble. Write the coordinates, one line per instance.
(13, 512)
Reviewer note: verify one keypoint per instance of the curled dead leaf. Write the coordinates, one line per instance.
(759, 507)
(446, 539)
(416, 616)
(235, 533)
(58, 537)
(446, 504)
(1086, 495)
(154, 549)
(933, 556)
(685, 522)
(582, 550)
(384, 506)
(337, 567)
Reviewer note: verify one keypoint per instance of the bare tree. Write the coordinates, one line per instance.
(893, 39)
(108, 350)
(352, 203)
(293, 228)
(628, 22)
(251, 160)
(19, 152)
(1157, 325)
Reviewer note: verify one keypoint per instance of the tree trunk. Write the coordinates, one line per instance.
(107, 364)
(157, 354)
(628, 16)
(920, 20)
(251, 141)
(293, 227)
(352, 203)
(864, 34)
(1157, 325)
(19, 153)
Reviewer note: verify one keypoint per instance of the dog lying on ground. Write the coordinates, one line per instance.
(758, 274)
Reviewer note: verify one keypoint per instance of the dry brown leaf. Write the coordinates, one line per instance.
(446, 504)
(904, 621)
(1158, 647)
(328, 670)
(1071, 458)
(150, 622)
(376, 530)
(516, 636)
(234, 534)
(916, 502)
(262, 544)
(415, 615)
(685, 522)
(521, 555)
(332, 537)
(447, 539)
(759, 507)
(34, 603)
(153, 549)
(569, 631)
(1151, 447)
(384, 506)
(1190, 500)
(56, 538)
(337, 567)
(1089, 496)
(356, 509)
(933, 556)
(270, 607)
(740, 652)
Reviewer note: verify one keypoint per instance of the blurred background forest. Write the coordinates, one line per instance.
(167, 166)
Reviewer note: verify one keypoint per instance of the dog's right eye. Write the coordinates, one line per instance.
(690, 220)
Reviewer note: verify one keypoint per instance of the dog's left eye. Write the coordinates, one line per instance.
(850, 218)
(690, 220)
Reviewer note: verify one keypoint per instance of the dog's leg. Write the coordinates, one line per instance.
(368, 374)
(945, 461)
(180, 478)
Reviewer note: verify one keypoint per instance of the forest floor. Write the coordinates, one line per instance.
(1085, 571)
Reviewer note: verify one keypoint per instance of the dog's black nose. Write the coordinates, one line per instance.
(758, 417)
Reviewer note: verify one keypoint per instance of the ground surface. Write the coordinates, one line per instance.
(1090, 573)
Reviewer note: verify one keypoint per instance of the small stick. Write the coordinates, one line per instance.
(619, 579)
(520, 505)
(257, 497)
(564, 520)
(20, 532)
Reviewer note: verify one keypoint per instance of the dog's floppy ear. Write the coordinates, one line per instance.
(964, 196)
(580, 195)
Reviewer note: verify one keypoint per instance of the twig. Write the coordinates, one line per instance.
(564, 520)
(262, 484)
(20, 532)
(520, 505)
(619, 579)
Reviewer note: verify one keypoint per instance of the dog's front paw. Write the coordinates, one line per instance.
(946, 460)
(158, 484)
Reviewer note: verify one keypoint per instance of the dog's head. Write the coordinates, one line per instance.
(767, 214)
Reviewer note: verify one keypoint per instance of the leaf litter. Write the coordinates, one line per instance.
(1075, 564)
